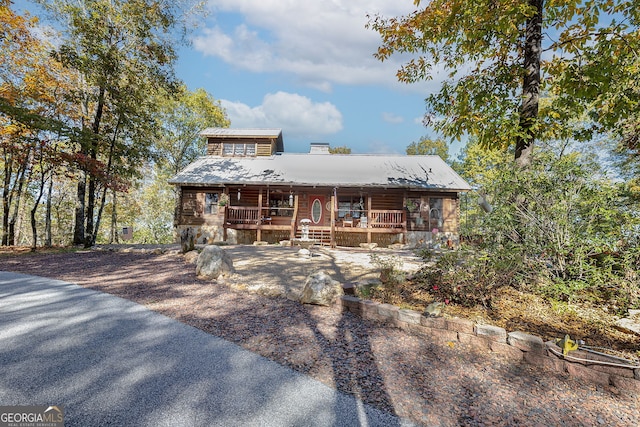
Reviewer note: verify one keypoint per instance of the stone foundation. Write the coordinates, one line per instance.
(514, 346)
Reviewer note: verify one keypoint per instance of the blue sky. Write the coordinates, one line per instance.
(307, 68)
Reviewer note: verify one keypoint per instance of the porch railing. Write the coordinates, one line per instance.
(386, 219)
(373, 218)
(243, 215)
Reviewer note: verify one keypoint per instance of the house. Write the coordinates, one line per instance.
(248, 189)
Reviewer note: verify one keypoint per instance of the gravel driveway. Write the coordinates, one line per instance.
(396, 371)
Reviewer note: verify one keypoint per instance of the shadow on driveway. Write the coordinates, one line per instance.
(109, 361)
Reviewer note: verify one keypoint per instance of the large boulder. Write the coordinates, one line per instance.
(321, 289)
(213, 262)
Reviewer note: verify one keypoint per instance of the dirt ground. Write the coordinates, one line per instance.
(400, 372)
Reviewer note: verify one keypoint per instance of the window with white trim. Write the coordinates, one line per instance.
(239, 149)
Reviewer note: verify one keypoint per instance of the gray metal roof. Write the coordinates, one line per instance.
(274, 133)
(336, 170)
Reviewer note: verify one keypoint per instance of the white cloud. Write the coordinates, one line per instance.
(392, 118)
(322, 42)
(296, 115)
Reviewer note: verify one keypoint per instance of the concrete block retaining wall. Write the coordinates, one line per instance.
(515, 346)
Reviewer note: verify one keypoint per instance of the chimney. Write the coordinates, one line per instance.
(319, 148)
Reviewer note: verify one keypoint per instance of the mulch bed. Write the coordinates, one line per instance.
(394, 370)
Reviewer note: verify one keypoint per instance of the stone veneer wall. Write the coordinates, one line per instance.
(515, 346)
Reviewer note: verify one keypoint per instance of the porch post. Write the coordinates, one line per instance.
(259, 231)
(332, 231)
(369, 215)
(294, 219)
(224, 218)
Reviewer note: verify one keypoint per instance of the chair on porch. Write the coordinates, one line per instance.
(347, 221)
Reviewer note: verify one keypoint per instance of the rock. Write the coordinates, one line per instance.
(369, 246)
(434, 309)
(321, 289)
(191, 257)
(187, 240)
(304, 252)
(213, 262)
(630, 324)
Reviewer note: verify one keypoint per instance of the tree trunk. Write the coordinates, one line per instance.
(47, 223)
(91, 200)
(22, 175)
(530, 86)
(114, 218)
(78, 230)
(6, 200)
(34, 224)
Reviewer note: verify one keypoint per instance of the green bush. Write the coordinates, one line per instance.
(559, 228)
(468, 278)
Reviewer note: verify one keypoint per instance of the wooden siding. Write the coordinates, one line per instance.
(264, 146)
(384, 208)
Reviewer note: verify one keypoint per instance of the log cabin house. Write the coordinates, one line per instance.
(248, 189)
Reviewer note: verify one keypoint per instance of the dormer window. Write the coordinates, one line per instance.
(239, 149)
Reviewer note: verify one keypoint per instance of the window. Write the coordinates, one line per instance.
(211, 203)
(316, 211)
(352, 206)
(239, 149)
(435, 212)
(279, 205)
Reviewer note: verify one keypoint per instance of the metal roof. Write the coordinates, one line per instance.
(336, 170)
(274, 133)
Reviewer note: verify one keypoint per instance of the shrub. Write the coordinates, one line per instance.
(467, 278)
(391, 274)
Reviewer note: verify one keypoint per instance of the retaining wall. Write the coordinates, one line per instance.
(515, 346)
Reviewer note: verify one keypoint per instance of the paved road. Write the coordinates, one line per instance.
(109, 361)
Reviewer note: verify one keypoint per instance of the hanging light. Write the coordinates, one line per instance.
(238, 194)
(290, 199)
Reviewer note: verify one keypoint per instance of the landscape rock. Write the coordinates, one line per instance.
(369, 246)
(213, 262)
(630, 324)
(191, 257)
(304, 253)
(321, 289)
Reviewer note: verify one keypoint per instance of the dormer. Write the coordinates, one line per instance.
(226, 142)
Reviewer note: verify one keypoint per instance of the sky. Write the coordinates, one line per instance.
(306, 67)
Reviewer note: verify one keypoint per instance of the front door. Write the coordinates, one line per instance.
(317, 209)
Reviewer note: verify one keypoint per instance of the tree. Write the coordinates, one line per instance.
(32, 92)
(123, 53)
(340, 150)
(181, 119)
(492, 52)
(427, 146)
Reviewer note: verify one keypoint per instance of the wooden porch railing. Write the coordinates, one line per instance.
(386, 219)
(243, 215)
(374, 218)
